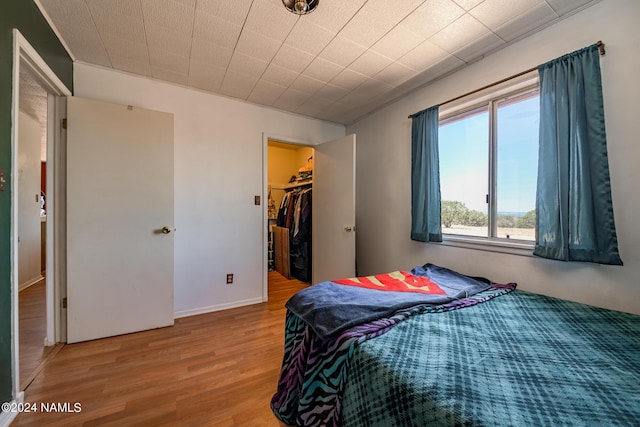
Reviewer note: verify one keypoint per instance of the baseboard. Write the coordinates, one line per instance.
(6, 418)
(210, 309)
(31, 282)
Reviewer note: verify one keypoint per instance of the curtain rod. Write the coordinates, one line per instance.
(515, 76)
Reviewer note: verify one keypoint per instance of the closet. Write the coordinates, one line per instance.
(290, 177)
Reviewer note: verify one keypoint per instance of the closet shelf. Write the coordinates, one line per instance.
(292, 185)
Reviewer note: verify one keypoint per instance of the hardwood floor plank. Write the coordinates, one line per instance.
(32, 311)
(215, 369)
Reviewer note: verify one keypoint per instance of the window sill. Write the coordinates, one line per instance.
(512, 247)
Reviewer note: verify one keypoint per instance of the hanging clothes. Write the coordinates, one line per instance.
(295, 214)
(300, 244)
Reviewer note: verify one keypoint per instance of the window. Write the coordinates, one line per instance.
(488, 167)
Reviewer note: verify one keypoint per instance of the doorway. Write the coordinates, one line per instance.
(32, 149)
(289, 212)
(35, 130)
(333, 232)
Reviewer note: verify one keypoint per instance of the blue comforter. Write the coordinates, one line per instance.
(330, 308)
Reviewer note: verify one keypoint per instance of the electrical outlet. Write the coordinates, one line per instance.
(229, 278)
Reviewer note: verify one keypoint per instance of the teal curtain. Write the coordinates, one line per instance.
(425, 177)
(574, 211)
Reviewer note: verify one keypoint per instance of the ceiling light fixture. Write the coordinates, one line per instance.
(301, 7)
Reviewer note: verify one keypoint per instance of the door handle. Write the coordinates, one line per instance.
(166, 229)
(349, 228)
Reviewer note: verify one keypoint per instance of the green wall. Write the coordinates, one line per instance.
(25, 16)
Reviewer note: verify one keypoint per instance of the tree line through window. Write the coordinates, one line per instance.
(488, 168)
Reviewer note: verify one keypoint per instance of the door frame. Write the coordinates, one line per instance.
(265, 194)
(24, 53)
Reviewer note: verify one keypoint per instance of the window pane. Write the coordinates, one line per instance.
(464, 173)
(517, 166)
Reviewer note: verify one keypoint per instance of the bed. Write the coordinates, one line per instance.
(465, 352)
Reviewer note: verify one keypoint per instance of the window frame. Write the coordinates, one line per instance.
(490, 97)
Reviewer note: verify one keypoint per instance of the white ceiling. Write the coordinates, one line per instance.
(33, 101)
(339, 63)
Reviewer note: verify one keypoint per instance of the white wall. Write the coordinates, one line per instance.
(29, 235)
(218, 170)
(384, 163)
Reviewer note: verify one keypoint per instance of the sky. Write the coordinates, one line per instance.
(464, 158)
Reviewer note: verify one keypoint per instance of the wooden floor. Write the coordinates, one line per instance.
(216, 369)
(32, 311)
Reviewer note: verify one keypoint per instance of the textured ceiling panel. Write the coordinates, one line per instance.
(78, 29)
(254, 44)
(370, 63)
(248, 65)
(293, 59)
(494, 13)
(332, 92)
(340, 62)
(397, 42)
(117, 46)
(395, 74)
(307, 84)
(334, 14)
(479, 47)
(432, 16)
(423, 56)
(216, 30)
(372, 87)
(322, 69)
(233, 11)
(118, 18)
(563, 7)
(33, 102)
(291, 99)
(468, 4)
(462, 32)
(342, 51)
(528, 21)
(168, 61)
(279, 75)
(204, 50)
(309, 37)
(169, 14)
(267, 18)
(349, 79)
(168, 39)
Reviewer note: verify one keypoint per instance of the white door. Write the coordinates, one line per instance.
(119, 198)
(334, 210)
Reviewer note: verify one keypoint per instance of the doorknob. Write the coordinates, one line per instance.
(348, 228)
(166, 229)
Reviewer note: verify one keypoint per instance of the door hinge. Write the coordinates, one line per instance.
(64, 123)
(64, 302)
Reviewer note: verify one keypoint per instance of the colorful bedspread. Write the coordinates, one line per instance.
(521, 360)
(315, 365)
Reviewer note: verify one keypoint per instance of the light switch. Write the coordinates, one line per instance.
(256, 200)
